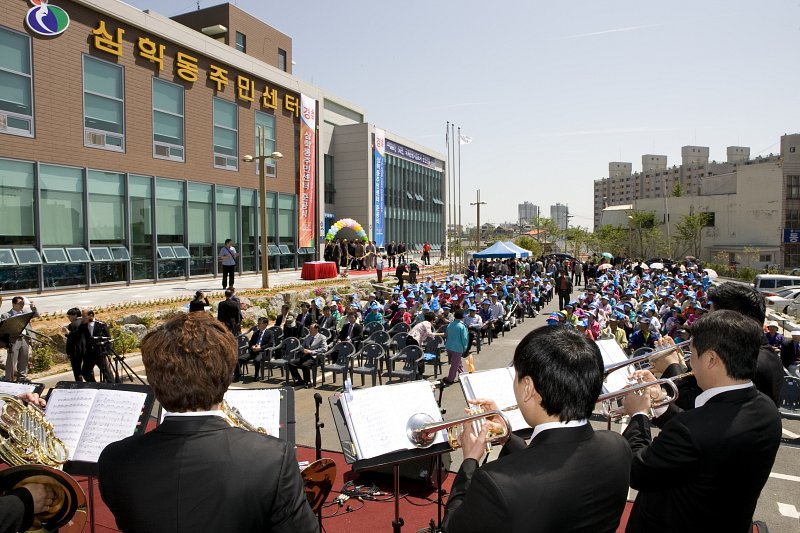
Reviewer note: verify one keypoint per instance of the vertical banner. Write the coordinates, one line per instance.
(379, 173)
(308, 174)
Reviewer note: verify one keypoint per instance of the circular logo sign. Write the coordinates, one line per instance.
(47, 20)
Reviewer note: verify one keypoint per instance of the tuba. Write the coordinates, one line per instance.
(29, 445)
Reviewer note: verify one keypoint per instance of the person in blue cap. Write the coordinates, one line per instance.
(644, 337)
(474, 324)
(374, 314)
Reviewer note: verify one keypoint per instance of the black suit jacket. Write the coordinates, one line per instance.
(200, 474)
(788, 355)
(344, 333)
(230, 313)
(567, 479)
(706, 469)
(265, 342)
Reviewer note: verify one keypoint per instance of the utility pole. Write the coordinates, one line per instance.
(478, 204)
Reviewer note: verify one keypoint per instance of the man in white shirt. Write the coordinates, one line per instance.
(312, 345)
(474, 324)
(18, 347)
(228, 255)
(497, 313)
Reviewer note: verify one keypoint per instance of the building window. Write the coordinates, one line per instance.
(241, 42)
(791, 149)
(792, 219)
(282, 59)
(226, 132)
(103, 105)
(168, 140)
(16, 91)
(793, 187)
(710, 220)
(265, 129)
(330, 189)
(765, 258)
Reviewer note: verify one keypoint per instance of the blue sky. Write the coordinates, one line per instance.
(552, 91)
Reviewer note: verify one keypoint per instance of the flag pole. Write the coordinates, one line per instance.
(449, 222)
(461, 259)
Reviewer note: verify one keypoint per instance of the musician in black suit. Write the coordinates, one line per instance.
(790, 353)
(706, 468)
(229, 312)
(258, 343)
(570, 477)
(195, 472)
(92, 343)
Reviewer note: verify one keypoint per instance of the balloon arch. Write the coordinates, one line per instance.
(346, 223)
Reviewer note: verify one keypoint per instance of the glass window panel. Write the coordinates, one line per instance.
(166, 252)
(169, 211)
(27, 256)
(140, 190)
(106, 207)
(225, 114)
(167, 97)
(181, 252)
(103, 78)
(16, 203)
(62, 205)
(167, 128)
(225, 142)
(120, 253)
(15, 93)
(101, 253)
(55, 255)
(15, 51)
(7, 257)
(78, 255)
(227, 196)
(103, 113)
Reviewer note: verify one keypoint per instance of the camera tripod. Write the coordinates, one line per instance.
(113, 365)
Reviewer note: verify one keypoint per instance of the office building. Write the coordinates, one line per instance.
(527, 212)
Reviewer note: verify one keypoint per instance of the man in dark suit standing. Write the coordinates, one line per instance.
(570, 477)
(195, 472)
(229, 312)
(93, 343)
(706, 469)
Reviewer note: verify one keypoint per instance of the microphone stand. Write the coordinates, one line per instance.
(318, 443)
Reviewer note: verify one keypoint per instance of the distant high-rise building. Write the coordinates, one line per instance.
(560, 215)
(527, 212)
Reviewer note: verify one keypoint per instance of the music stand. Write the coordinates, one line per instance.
(393, 459)
(13, 326)
(90, 469)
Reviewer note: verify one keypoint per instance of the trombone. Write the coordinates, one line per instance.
(649, 356)
(421, 429)
(615, 413)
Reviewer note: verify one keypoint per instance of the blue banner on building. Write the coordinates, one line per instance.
(407, 153)
(791, 236)
(379, 173)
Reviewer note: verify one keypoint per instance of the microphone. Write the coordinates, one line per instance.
(317, 398)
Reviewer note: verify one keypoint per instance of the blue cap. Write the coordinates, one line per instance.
(472, 308)
(336, 298)
(402, 306)
(486, 302)
(583, 323)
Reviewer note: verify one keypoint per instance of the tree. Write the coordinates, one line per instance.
(576, 237)
(689, 231)
(612, 239)
(678, 190)
(641, 223)
(529, 244)
(548, 230)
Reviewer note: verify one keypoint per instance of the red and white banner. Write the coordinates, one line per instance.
(308, 171)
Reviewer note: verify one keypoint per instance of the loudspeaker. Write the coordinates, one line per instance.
(420, 470)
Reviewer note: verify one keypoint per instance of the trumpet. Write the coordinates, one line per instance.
(421, 428)
(615, 413)
(649, 356)
(235, 418)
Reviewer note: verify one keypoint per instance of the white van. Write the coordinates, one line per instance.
(773, 282)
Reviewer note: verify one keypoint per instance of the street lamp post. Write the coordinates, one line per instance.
(262, 199)
(478, 204)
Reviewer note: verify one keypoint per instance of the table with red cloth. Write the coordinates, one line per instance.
(318, 270)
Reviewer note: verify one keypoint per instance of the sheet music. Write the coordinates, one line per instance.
(612, 354)
(113, 417)
(497, 385)
(15, 389)
(260, 407)
(67, 410)
(377, 416)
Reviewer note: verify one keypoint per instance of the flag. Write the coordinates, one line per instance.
(463, 139)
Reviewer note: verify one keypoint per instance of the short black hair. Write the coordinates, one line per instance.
(74, 311)
(735, 337)
(430, 316)
(227, 241)
(566, 368)
(17, 299)
(739, 297)
(459, 314)
(228, 293)
(264, 319)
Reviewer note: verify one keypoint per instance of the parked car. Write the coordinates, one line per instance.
(772, 283)
(781, 299)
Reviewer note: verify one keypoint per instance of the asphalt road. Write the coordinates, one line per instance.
(778, 506)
